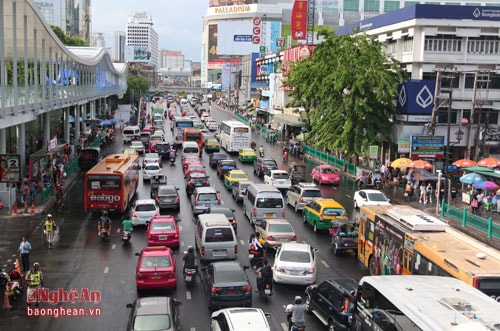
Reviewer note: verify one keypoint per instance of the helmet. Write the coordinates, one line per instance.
(298, 299)
(190, 249)
(49, 215)
(36, 265)
(104, 213)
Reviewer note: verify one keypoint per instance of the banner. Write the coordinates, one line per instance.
(10, 168)
(299, 20)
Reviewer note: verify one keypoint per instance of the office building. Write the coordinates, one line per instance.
(141, 43)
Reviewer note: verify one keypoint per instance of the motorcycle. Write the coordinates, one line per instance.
(14, 284)
(291, 325)
(261, 153)
(126, 236)
(104, 234)
(189, 276)
(267, 291)
(285, 157)
(59, 196)
(256, 259)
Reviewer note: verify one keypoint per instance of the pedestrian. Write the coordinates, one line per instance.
(26, 192)
(32, 187)
(428, 193)
(34, 279)
(421, 198)
(474, 205)
(24, 252)
(49, 229)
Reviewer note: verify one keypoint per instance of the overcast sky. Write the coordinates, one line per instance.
(177, 22)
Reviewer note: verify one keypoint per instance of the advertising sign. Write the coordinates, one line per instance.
(404, 145)
(416, 97)
(373, 151)
(10, 168)
(299, 20)
(220, 3)
(430, 147)
(137, 53)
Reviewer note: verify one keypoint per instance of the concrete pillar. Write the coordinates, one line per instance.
(3, 150)
(84, 117)
(66, 124)
(46, 129)
(21, 147)
(78, 114)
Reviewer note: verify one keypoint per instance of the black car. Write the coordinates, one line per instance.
(332, 302)
(226, 285)
(262, 166)
(154, 313)
(168, 197)
(156, 181)
(228, 212)
(214, 158)
(162, 149)
(196, 179)
(224, 166)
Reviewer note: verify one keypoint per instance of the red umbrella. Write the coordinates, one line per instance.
(489, 162)
(419, 164)
(464, 163)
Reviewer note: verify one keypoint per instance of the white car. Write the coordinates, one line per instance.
(150, 170)
(295, 263)
(144, 210)
(279, 179)
(212, 125)
(370, 198)
(138, 146)
(233, 319)
(159, 133)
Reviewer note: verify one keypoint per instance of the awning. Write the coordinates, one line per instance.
(288, 120)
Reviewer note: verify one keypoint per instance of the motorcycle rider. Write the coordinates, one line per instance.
(171, 153)
(261, 150)
(34, 279)
(265, 276)
(49, 228)
(104, 223)
(296, 313)
(127, 225)
(189, 259)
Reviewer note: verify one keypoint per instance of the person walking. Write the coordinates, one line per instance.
(428, 193)
(34, 279)
(24, 252)
(421, 198)
(49, 229)
(26, 192)
(32, 187)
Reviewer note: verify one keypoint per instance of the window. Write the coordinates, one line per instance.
(390, 6)
(269, 203)
(218, 235)
(371, 5)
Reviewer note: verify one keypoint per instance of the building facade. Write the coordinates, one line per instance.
(119, 46)
(141, 44)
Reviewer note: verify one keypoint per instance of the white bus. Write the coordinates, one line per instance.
(422, 303)
(234, 135)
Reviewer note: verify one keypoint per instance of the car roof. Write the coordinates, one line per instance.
(206, 189)
(227, 265)
(348, 285)
(155, 251)
(227, 161)
(308, 186)
(370, 191)
(236, 171)
(277, 171)
(329, 203)
(218, 154)
(197, 174)
(145, 202)
(296, 247)
(153, 305)
(163, 218)
(167, 187)
(245, 318)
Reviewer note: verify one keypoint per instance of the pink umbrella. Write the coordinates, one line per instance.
(486, 185)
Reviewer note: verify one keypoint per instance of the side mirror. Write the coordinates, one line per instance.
(177, 219)
(129, 305)
(137, 254)
(246, 267)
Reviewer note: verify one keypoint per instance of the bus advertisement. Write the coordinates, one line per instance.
(234, 135)
(111, 184)
(406, 241)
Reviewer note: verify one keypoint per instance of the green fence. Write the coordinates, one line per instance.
(72, 167)
(485, 225)
(330, 159)
(243, 118)
(98, 140)
(47, 192)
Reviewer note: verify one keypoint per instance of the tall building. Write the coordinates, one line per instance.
(171, 59)
(97, 40)
(141, 43)
(119, 46)
(49, 9)
(78, 19)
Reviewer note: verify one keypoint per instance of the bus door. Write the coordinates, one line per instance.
(408, 251)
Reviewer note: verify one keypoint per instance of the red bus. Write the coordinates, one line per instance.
(111, 184)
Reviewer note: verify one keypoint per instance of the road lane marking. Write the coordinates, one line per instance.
(242, 242)
(284, 326)
(188, 295)
(192, 329)
(325, 264)
(180, 227)
(113, 246)
(106, 270)
(118, 230)
(9, 261)
(348, 195)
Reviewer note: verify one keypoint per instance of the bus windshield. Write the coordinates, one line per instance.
(103, 182)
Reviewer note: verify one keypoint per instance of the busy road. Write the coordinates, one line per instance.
(80, 260)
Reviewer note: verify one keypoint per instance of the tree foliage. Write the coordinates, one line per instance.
(136, 85)
(347, 87)
(67, 39)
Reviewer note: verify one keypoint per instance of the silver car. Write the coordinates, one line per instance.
(203, 198)
(150, 170)
(144, 210)
(239, 189)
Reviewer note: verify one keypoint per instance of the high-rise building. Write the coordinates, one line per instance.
(97, 40)
(141, 43)
(78, 19)
(171, 59)
(119, 46)
(49, 8)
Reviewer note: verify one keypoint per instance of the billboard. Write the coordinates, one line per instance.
(237, 37)
(416, 97)
(215, 55)
(299, 20)
(10, 168)
(137, 54)
(220, 3)
(429, 147)
(172, 53)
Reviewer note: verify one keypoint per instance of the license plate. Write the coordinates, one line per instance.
(231, 291)
(155, 277)
(163, 237)
(188, 278)
(267, 291)
(293, 272)
(219, 253)
(349, 250)
(270, 215)
(250, 256)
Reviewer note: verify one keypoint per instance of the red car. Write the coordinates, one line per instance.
(163, 231)
(325, 174)
(194, 167)
(189, 160)
(155, 269)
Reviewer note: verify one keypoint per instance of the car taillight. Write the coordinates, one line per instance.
(294, 238)
(254, 212)
(144, 172)
(150, 237)
(278, 268)
(321, 219)
(235, 249)
(157, 199)
(156, 214)
(134, 214)
(301, 199)
(270, 238)
(310, 271)
(247, 288)
(202, 251)
(283, 211)
(206, 182)
(177, 198)
(190, 183)
(215, 290)
(176, 236)
(139, 276)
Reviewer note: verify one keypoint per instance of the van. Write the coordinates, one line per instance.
(215, 238)
(158, 124)
(194, 134)
(263, 201)
(184, 103)
(190, 147)
(129, 132)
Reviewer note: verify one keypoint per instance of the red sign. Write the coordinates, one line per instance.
(256, 30)
(256, 39)
(257, 20)
(299, 20)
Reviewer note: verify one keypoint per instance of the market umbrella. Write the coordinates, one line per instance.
(486, 185)
(471, 178)
(419, 164)
(489, 162)
(464, 163)
(401, 162)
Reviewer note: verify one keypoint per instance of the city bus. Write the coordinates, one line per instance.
(111, 184)
(406, 241)
(234, 135)
(422, 303)
(180, 123)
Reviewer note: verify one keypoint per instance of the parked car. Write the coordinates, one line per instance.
(154, 313)
(212, 145)
(214, 159)
(226, 285)
(320, 213)
(370, 198)
(278, 178)
(196, 179)
(275, 232)
(150, 170)
(295, 263)
(262, 166)
(247, 155)
(234, 176)
(299, 195)
(332, 301)
(325, 174)
(234, 319)
(168, 197)
(156, 181)
(155, 269)
(228, 212)
(239, 189)
(163, 231)
(144, 210)
(203, 198)
(224, 166)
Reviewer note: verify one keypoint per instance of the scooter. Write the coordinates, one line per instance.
(261, 153)
(14, 284)
(291, 325)
(126, 236)
(104, 234)
(189, 276)
(256, 259)
(267, 291)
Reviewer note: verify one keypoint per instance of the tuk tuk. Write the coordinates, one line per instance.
(344, 237)
(89, 157)
(367, 178)
(297, 173)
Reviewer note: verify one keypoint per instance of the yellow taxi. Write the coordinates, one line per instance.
(234, 176)
(320, 213)
(217, 136)
(212, 145)
(208, 118)
(247, 155)
(130, 151)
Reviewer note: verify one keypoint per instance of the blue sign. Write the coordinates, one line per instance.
(416, 97)
(244, 38)
(429, 147)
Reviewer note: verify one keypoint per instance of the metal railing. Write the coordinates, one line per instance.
(345, 166)
(47, 192)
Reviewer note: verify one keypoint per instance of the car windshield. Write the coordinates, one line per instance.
(162, 226)
(238, 176)
(328, 171)
(219, 235)
(152, 322)
(146, 207)
(155, 262)
(229, 276)
(269, 203)
(377, 197)
(280, 176)
(196, 168)
(280, 228)
(312, 194)
(334, 212)
(190, 150)
(207, 197)
(295, 256)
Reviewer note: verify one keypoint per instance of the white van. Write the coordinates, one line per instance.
(184, 103)
(129, 132)
(190, 147)
(215, 238)
(263, 201)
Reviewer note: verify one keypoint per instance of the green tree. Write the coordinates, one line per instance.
(67, 39)
(136, 87)
(347, 87)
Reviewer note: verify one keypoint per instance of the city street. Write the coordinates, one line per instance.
(80, 260)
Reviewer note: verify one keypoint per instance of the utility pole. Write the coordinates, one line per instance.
(441, 96)
(481, 81)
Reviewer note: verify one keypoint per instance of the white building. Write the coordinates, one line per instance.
(97, 40)
(119, 46)
(141, 43)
